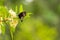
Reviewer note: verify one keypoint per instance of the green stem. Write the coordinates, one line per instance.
(11, 35)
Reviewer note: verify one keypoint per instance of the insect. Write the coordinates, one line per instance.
(22, 15)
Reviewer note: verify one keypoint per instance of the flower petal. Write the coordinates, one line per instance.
(13, 14)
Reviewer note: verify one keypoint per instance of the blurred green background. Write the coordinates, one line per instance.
(43, 23)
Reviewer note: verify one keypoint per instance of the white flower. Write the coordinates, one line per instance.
(13, 22)
(13, 14)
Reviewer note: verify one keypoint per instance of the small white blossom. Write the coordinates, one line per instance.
(13, 14)
(13, 23)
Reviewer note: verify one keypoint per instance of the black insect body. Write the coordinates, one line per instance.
(22, 15)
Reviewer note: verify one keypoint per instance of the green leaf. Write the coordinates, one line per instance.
(3, 29)
(16, 9)
(28, 15)
(21, 8)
